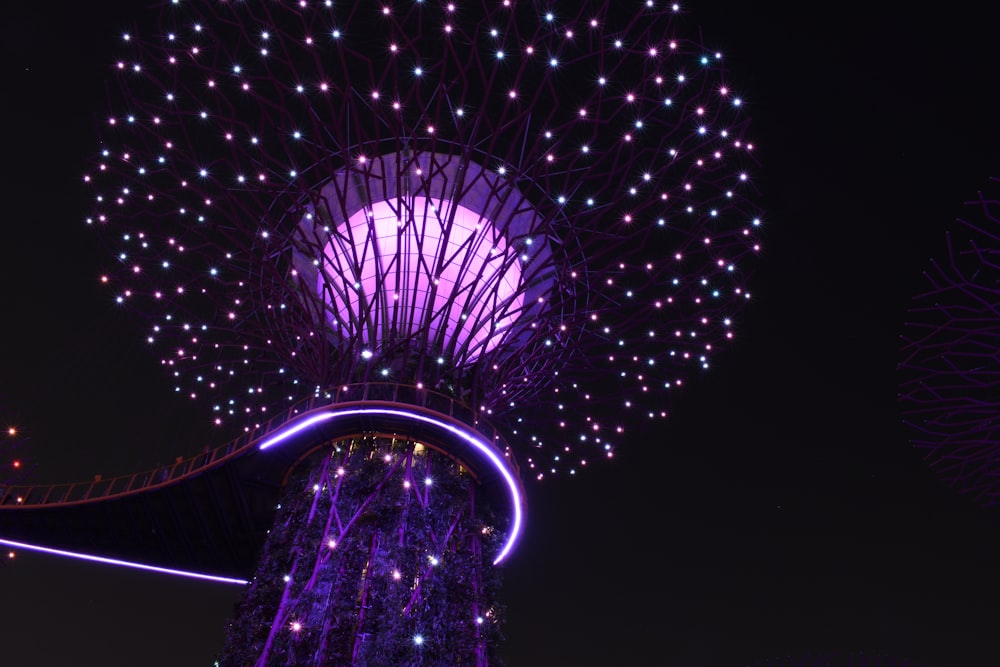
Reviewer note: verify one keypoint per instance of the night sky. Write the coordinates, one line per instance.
(781, 509)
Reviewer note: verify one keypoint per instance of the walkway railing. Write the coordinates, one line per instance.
(14, 496)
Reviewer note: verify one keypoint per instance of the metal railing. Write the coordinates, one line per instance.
(13, 496)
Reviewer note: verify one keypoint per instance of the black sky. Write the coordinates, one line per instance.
(779, 511)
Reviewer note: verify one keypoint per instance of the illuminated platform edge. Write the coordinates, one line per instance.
(207, 516)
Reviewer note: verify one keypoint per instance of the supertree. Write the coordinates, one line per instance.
(457, 244)
(950, 367)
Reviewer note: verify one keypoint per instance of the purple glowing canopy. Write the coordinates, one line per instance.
(543, 209)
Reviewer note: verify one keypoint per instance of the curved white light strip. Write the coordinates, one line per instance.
(481, 446)
(123, 563)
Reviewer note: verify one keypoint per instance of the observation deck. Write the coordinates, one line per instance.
(208, 515)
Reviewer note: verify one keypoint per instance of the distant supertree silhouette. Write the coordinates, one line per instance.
(950, 369)
(532, 213)
(840, 660)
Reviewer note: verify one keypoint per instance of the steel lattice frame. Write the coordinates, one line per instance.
(950, 369)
